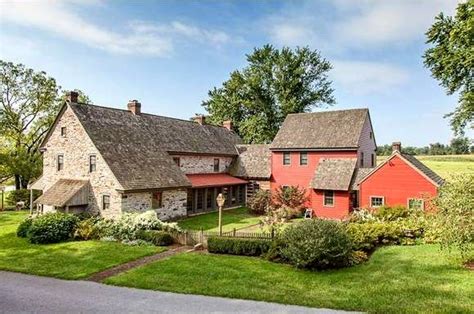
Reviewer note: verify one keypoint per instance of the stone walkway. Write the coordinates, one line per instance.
(100, 276)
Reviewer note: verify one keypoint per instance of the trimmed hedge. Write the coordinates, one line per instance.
(157, 237)
(238, 246)
(52, 228)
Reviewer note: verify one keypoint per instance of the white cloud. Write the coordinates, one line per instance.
(361, 78)
(142, 38)
(291, 34)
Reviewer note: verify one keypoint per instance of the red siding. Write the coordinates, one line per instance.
(396, 181)
(296, 174)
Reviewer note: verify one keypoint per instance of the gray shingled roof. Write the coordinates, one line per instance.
(323, 130)
(424, 169)
(359, 174)
(253, 162)
(334, 174)
(136, 146)
(61, 192)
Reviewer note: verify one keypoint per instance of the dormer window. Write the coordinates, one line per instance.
(63, 131)
(60, 162)
(92, 163)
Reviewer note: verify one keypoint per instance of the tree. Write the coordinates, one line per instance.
(274, 84)
(451, 60)
(29, 105)
(460, 145)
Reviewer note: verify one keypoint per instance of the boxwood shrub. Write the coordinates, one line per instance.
(367, 236)
(316, 244)
(157, 237)
(52, 228)
(238, 246)
(24, 228)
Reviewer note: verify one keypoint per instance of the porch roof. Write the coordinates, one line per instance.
(334, 174)
(65, 192)
(201, 180)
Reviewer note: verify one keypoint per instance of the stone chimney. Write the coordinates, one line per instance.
(72, 96)
(135, 107)
(228, 125)
(200, 118)
(397, 146)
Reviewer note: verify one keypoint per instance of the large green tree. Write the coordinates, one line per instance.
(451, 60)
(29, 103)
(275, 83)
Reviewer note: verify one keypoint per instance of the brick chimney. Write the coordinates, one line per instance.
(135, 107)
(200, 118)
(72, 96)
(397, 146)
(228, 125)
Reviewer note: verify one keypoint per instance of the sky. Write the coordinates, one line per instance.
(169, 54)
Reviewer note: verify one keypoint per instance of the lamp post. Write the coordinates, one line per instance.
(220, 202)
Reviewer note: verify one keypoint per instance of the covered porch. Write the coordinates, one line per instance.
(205, 188)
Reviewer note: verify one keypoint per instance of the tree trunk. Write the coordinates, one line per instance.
(24, 183)
(17, 182)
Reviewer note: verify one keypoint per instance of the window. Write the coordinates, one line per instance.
(328, 198)
(303, 158)
(60, 165)
(372, 160)
(216, 164)
(156, 200)
(376, 201)
(415, 203)
(371, 135)
(286, 158)
(92, 163)
(362, 159)
(105, 202)
(177, 161)
(63, 131)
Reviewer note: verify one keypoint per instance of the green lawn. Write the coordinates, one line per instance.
(397, 279)
(232, 218)
(69, 260)
(446, 165)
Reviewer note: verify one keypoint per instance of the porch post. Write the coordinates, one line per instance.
(31, 201)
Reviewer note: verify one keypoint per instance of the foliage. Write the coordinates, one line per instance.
(362, 215)
(24, 228)
(86, 229)
(390, 213)
(22, 195)
(458, 146)
(260, 202)
(451, 60)
(293, 198)
(238, 246)
(157, 237)
(275, 83)
(316, 244)
(30, 101)
(455, 202)
(357, 257)
(52, 228)
(274, 219)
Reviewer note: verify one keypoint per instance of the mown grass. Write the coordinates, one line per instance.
(395, 280)
(231, 218)
(445, 165)
(69, 260)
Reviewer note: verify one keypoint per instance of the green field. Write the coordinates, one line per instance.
(445, 165)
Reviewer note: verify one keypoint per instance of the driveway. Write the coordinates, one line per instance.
(27, 293)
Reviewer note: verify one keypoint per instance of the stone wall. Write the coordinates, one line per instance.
(173, 201)
(202, 164)
(76, 147)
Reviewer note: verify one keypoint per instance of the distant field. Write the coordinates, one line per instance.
(446, 165)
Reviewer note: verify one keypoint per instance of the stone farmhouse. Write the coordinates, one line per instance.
(111, 161)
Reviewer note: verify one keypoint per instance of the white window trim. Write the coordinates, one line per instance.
(307, 159)
(376, 196)
(417, 199)
(333, 199)
(283, 159)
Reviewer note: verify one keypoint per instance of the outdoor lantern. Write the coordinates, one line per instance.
(220, 202)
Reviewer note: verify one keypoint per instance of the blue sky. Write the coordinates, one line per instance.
(168, 54)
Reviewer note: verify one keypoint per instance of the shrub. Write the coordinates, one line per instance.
(238, 246)
(391, 213)
(293, 198)
(316, 244)
(357, 257)
(362, 215)
(52, 228)
(24, 228)
(157, 237)
(86, 230)
(22, 195)
(260, 202)
(366, 236)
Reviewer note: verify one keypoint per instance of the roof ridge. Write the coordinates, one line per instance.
(328, 111)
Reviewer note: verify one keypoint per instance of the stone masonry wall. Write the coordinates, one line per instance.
(76, 148)
(202, 164)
